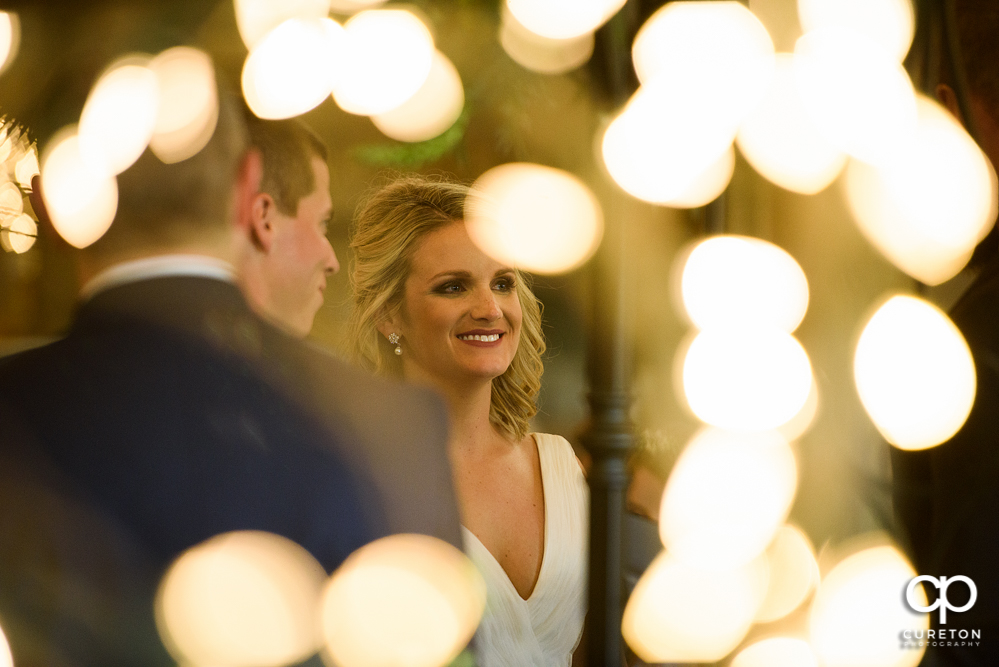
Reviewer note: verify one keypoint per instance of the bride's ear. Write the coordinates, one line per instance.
(388, 323)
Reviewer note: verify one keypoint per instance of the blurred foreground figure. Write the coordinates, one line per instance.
(172, 413)
(946, 497)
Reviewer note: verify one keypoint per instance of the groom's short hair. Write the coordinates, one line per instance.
(287, 148)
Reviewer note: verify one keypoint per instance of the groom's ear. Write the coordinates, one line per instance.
(261, 221)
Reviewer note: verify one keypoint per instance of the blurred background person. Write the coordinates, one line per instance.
(284, 275)
(433, 308)
(944, 497)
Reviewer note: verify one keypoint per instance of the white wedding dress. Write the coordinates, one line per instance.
(544, 629)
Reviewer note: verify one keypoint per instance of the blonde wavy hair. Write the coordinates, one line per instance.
(387, 228)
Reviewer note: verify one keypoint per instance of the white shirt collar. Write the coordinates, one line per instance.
(160, 266)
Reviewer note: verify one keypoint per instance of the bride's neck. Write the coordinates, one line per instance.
(469, 417)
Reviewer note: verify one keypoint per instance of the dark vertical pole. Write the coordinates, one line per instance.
(608, 439)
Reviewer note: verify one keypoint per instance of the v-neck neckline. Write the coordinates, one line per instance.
(544, 541)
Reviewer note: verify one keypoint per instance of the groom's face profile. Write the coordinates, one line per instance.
(300, 256)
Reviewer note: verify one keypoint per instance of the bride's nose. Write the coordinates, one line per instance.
(485, 307)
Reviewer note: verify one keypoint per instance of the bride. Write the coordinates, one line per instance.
(431, 307)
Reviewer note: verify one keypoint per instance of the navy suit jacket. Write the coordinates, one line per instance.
(170, 414)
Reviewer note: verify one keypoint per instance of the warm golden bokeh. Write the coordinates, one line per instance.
(10, 39)
(914, 373)
(431, 110)
(857, 94)
(776, 652)
(19, 234)
(859, 612)
(119, 116)
(542, 54)
(388, 55)
(794, 574)
(735, 281)
(746, 378)
(780, 140)
(534, 217)
(697, 45)
(256, 18)
(891, 23)
(403, 600)
(563, 19)
(292, 69)
(680, 613)
(243, 599)
(6, 659)
(189, 104)
(928, 206)
(658, 149)
(81, 201)
(26, 167)
(727, 497)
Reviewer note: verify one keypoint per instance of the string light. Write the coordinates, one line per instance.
(541, 219)
(727, 497)
(431, 110)
(563, 19)
(256, 18)
(914, 373)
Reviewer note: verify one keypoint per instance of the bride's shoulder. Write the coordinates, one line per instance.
(559, 448)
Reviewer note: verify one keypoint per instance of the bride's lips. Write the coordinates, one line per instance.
(482, 337)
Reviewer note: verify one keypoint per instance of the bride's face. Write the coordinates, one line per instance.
(460, 317)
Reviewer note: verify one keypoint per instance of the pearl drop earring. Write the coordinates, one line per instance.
(394, 340)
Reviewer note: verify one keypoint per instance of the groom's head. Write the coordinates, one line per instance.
(285, 274)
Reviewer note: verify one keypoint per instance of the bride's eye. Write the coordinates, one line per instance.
(450, 287)
(504, 284)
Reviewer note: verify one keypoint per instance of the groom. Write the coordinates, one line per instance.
(171, 413)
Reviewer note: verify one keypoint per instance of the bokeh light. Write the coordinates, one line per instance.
(780, 140)
(776, 652)
(11, 200)
(857, 94)
(727, 497)
(563, 19)
(19, 234)
(709, 184)
(534, 217)
(730, 281)
(801, 422)
(81, 200)
(348, 7)
(388, 56)
(293, 68)
(431, 111)
(6, 659)
(717, 48)
(891, 23)
(680, 613)
(665, 141)
(859, 612)
(746, 379)
(119, 116)
(244, 599)
(794, 574)
(403, 600)
(914, 373)
(542, 54)
(256, 18)
(26, 167)
(926, 208)
(10, 38)
(189, 104)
